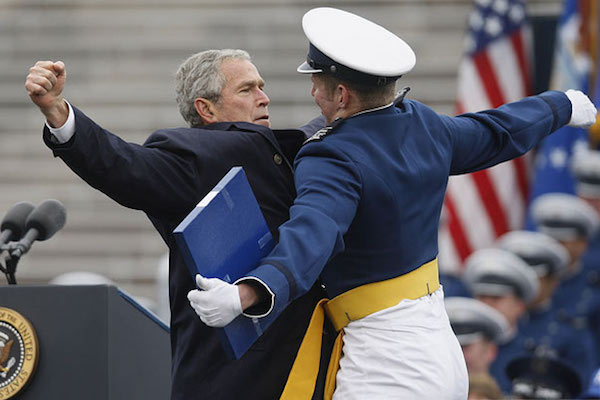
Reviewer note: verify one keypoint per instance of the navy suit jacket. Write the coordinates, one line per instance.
(165, 178)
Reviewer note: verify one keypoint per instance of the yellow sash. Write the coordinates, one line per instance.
(351, 306)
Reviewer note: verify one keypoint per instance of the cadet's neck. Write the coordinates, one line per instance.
(358, 110)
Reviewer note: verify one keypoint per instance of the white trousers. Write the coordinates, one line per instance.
(403, 352)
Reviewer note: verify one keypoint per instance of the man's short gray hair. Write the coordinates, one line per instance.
(200, 76)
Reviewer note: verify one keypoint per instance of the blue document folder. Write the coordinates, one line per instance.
(225, 237)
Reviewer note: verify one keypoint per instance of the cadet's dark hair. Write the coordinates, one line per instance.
(368, 95)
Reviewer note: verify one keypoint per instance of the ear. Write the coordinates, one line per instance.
(492, 352)
(522, 307)
(206, 110)
(342, 96)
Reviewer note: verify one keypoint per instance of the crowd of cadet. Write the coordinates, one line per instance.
(527, 311)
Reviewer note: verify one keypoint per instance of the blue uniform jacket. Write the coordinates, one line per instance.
(165, 178)
(577, 301)
(541, 332)
(370, 193)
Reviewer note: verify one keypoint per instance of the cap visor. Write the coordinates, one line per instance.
(304, 68)
(466, 339)
(491, 289)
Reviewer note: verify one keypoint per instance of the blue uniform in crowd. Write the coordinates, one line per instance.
(541, 329)
(577, 302)
(454, 286)
(591, 269)
(370, 191)
(540, 332)
(507, 352)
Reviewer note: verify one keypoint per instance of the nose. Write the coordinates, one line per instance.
(312, 91)
(263, 99)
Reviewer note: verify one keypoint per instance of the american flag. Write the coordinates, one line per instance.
(574, 59)
(495, 70)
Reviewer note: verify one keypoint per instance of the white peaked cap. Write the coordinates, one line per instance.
(564, 216)
(496, 272)
(353, 48)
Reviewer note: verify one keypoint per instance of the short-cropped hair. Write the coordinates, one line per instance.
(369, 96)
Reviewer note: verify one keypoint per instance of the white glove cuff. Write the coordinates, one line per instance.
(269, 291)
(583, 111)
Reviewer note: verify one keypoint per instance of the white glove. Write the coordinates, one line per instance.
(584, 111)
(218, 303)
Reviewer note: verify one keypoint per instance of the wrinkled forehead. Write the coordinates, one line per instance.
(237, 70)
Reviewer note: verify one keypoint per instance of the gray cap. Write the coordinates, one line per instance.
(564, 216)
(471, 319)
(497, 272)
(586, 169)
(544, 254)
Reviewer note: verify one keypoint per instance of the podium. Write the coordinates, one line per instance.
(95, 342)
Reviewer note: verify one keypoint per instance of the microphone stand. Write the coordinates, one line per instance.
(10, 264)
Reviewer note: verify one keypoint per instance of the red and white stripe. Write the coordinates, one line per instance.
(481, 206)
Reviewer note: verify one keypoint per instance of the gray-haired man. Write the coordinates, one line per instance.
(220, 94)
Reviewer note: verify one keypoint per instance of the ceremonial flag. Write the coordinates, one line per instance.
(574, 59)
(495, 70)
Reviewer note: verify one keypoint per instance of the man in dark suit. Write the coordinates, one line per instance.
(220, 94)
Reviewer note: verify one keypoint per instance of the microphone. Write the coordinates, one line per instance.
(43, 222)
(13, 224)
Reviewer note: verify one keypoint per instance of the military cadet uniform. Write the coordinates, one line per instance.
(586, 169)
(497, 273)
(541, 329)
(479, 329)
(576, 302)
(542, 332)
(370, 189)
(363, 217)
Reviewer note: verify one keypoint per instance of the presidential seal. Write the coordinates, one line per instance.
(19, 352)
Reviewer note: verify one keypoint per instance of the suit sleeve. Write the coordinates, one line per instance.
(483, 139)
(312, 126)
(153, 177)
(329, 188)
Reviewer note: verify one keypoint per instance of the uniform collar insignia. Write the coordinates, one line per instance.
(400, 96)
(321, 133)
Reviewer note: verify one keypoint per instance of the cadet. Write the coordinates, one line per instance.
(572, 222)
(546, 256)
(370, 189)
(540, 328)
(586, 170)
(479, 329)
(506, 283)
(542, 378)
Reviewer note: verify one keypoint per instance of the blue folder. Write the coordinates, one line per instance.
(225, 237)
